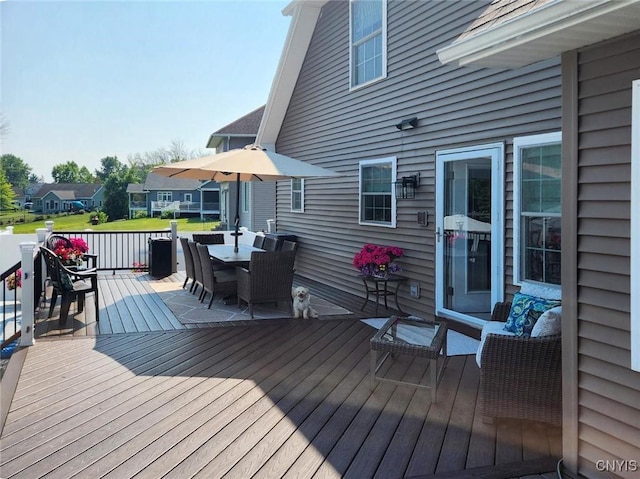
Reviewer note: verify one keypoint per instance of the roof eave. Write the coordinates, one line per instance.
(542, 33)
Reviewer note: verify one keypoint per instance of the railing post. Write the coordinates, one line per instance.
(174, 246)
(49, 225)
(27, 308)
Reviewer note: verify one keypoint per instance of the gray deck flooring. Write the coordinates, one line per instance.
(276, 398)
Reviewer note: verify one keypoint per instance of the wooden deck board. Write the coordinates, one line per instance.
(265, 399)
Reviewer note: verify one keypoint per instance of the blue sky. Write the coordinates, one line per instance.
(85, 80)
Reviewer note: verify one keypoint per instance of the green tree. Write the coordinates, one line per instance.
(70, 172)
(7, 196)
(16, 170)
(116, 200)
(110, 164)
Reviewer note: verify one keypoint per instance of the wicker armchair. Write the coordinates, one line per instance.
(521, 377)
(188, 264)
(208, 238)
(268, 280)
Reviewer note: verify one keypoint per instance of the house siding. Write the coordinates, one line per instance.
(608, 391)
(328, 125)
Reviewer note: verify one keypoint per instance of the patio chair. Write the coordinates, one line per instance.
(289, 245)
(208, 238)
(268, 279)
(69, 289)
(197, 268)
(520, 377)
(188, 263)
(54, 241)
(270, 243)
(215, 281)
(258, 241)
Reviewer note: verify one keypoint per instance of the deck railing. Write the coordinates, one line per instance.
(119, 250)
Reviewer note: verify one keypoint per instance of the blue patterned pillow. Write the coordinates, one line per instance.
(520, 307)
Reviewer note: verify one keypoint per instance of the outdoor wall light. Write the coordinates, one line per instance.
(406, 187)
(408, 124)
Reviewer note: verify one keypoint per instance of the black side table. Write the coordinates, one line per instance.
(380, 287)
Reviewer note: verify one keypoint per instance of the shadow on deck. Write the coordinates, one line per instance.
(268, 398)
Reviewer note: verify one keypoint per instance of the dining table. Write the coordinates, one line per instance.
(224, 253)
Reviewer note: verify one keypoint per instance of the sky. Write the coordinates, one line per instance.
(83, 80)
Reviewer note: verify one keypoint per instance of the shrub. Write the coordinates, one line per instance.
(140, 215)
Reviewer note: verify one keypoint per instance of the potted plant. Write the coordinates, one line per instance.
(377, 261)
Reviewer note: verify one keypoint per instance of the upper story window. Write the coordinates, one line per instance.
(377, 197)
(537, 208)
(246, 198)
(368, 39)
(165, 196)
(297, 194)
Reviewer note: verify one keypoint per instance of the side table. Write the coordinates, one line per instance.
(380, 288)
(415, 337)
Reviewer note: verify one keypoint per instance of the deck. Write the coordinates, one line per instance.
(139, 394)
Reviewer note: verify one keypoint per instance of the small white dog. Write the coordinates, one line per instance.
(302, 303)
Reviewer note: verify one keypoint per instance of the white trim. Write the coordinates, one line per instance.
(635, 224)
(495, 151)
(538, 25)
(393, 161)
(518, 144)
(384, 30)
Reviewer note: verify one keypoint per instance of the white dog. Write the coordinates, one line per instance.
(302, 303)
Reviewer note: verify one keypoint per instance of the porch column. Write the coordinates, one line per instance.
(27, 307)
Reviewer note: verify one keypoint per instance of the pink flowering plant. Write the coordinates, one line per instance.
(14, 280)
(374, 260)
(73, 255)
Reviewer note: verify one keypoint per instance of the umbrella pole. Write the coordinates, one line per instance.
(237, 233)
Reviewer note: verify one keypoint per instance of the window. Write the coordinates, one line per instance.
(245, 196)
(377, 198)
(165, 196)
(537, 208)
(188, 197)
(297, 194)
(368, 32)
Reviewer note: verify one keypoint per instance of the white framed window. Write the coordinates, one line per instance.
(297, 195)
(245, 196)
(635, 224)
(188, 197)
(537, 208)
(368, 41)
(377, 196)
(165, 196)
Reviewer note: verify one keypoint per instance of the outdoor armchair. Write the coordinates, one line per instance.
(270, 243)
(197, 268)
(69, 284)
(54, 241)
(188, 264)
(222, 281)
(208, 238)
(268, 279)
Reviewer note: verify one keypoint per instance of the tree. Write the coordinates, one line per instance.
(116, 200)
(110, 164)
(16, 170)
(7, 196)
(70, 172)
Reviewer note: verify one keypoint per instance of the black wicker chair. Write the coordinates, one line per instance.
(208, 238)
(267, 280)
(197, 268)
(214, 281)
(521, 377)
(188, 264)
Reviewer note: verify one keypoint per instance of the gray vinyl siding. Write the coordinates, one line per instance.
(608, 391)
(263, 204)
(330, 126)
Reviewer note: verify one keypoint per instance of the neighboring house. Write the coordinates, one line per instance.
(58, 197)
(599, 43)
(257, 199)
(24, 195)
(183, 197)
(522, 164)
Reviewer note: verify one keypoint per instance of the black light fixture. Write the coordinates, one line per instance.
(408, 124)
(406, 187)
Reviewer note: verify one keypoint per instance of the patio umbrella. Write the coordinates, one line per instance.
(251, 163)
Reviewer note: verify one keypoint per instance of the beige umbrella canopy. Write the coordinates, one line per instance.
(251, 163)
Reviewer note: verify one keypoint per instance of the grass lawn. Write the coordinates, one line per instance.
(83, 222)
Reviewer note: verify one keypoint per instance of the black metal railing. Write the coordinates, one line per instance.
(119, 250)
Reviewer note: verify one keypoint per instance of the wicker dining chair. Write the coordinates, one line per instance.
(258, 241)
(270, 243)
(289, 245)
(208, 238)
(188, 263)
(197, 268)
(214, 282)
(267, 280)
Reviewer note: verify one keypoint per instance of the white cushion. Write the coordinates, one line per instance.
(549, 323)
(490, 327)
(541, 291)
